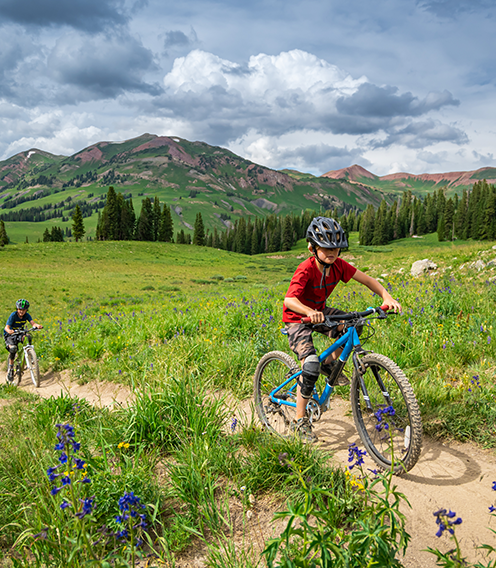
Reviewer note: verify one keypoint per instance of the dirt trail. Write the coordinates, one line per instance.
(452, 476)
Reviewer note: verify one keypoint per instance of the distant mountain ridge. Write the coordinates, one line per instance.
(191, 177)
(402, 181)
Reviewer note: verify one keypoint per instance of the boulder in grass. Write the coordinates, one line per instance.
(422, 266)
(476, 265)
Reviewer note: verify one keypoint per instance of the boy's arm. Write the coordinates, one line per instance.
(9, 330)
(295, 305)
(376, 287)
(34, 324)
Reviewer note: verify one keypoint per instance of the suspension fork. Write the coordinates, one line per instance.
(360, 370)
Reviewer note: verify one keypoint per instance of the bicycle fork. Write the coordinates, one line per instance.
(360, 370)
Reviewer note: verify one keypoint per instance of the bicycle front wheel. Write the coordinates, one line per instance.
(34, 368)
(273, 369)
(386, 414)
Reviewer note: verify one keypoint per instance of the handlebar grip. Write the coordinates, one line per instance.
(384, 308)
(306, 320)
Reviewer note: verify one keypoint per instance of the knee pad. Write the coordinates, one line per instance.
(309, 376)
(12, 349)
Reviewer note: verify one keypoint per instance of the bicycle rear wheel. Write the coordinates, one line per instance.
(272, 370)
(15, 378)
(389, 422)
(34, 369)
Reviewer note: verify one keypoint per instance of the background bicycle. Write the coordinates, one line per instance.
(384, 406)
(25, 357)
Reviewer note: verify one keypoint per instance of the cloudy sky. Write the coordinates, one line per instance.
(393, 85)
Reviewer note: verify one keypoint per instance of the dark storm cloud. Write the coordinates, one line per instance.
(424, 133)
(87, 15)
(452, 8)
(13, 51)
(373, 101)
(176, 38)
(320, 157)
(102, 66)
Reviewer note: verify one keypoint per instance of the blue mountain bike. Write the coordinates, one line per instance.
(385, 409)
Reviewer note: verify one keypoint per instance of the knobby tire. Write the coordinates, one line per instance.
(33, 366)
(272, 370)
(401, 440)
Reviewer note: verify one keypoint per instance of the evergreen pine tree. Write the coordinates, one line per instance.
(380, 228)
(240, 235)
(113, 216)
(449, 214)
(199, 231)
(275, 239)
(78, 229)
(421, 225)
(367, 223)
(4, 239)
(488, 226)
(157, 214)
(128, 220)
(461, 217)
(440, 229)
(46, 236)
(166, 231)
(287, 234)
(144, 227)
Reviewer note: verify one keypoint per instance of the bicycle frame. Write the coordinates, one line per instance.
(348, 341)
(22, 359)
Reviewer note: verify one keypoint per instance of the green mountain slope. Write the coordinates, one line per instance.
(191, 177)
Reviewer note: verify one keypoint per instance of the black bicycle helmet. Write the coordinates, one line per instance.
(326, 233)
(22, 304)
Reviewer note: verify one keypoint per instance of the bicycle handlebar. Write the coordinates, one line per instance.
(381, 312)
(24, 331)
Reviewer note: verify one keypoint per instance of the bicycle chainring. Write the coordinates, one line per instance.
(314, 411)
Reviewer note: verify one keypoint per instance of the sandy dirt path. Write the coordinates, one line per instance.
(448, 475)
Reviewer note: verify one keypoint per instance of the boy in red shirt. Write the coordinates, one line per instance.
(312, 283)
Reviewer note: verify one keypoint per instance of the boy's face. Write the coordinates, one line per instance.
(327, 255)
(21, 313)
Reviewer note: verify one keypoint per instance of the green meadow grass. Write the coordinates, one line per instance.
(176, 323)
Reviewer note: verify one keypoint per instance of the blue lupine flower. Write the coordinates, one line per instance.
(494, 485)
(355, 454)
(86, 508)
(234, 424)
(492, 508)
(55, 490)
(383, 424)
(64, 504)
(443, 520)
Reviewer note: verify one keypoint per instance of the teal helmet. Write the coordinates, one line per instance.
(22, 304)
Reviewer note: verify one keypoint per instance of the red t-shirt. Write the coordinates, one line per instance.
(307, 287)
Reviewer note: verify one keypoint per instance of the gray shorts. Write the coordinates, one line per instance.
(11, 344)
(300, 334)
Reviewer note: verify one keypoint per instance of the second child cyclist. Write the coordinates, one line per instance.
(312, 283)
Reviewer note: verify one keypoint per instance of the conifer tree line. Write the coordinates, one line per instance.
(273, 233)
(471, 216)
(118, 221)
